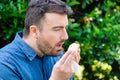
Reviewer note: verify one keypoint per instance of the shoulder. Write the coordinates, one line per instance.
(6, 73)
(9, 52)
(6, 64)
(10, 56)
(7, 57)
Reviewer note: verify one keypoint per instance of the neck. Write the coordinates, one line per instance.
(32, 44)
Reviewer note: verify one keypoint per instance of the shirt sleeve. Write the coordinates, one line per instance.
(7, 74)
(1, 78)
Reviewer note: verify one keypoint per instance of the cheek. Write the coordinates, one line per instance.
(53, 38)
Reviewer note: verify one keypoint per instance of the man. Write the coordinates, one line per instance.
(36, 53)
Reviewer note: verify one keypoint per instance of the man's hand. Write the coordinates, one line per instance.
(75, 48)
(62, 70)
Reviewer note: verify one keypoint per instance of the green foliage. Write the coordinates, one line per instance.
(72, 2)
(98, 33)
(95, 25)
(12, 15)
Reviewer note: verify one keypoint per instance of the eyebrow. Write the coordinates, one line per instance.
(60, 27)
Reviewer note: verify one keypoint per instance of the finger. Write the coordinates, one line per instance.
(64, 57)
(69, 59)
(77, 56)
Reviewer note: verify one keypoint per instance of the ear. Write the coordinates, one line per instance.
(34, 31)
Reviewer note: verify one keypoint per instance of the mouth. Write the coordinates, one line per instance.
(59, 45)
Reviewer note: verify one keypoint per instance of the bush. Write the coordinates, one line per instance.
(12, 15)
(95, 25)
(98, 32)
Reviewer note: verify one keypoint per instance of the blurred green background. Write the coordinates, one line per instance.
(95, 24)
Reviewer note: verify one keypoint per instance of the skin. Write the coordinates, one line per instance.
(49, 41)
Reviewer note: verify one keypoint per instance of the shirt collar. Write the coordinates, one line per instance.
(26, 49)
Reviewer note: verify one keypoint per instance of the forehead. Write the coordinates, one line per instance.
(55, 19)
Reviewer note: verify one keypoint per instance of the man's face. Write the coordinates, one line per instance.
(53, 34)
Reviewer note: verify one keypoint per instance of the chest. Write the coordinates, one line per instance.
(35, 70)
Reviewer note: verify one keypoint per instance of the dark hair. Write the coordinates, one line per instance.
(37, 9)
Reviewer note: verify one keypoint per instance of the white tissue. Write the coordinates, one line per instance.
(75, 68)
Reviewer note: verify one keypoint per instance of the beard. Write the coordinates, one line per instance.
(46, 49)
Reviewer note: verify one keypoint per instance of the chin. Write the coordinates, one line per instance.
(56, 54)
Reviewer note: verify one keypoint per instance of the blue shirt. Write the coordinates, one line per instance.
(18, 61)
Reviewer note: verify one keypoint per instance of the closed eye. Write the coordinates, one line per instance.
(57, 28)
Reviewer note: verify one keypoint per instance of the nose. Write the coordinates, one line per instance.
(64, 35)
